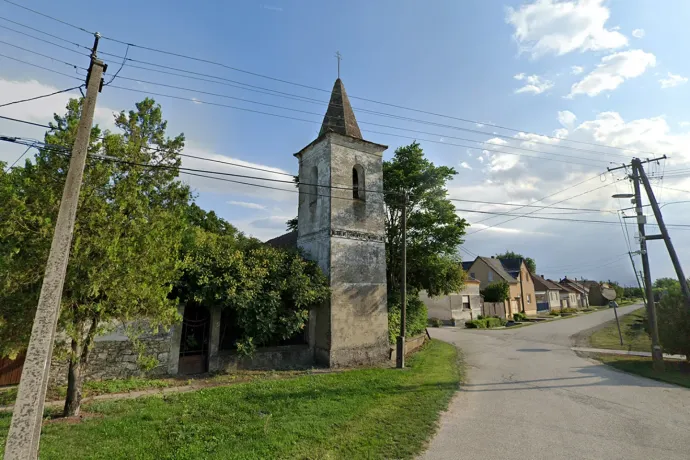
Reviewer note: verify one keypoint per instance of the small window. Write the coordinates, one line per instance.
(491, 276)
(312, 188)
(472, 276)
(465, 302)
(355, 184)
(529, 298)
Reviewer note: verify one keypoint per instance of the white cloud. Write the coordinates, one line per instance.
(496, 141)
(566, 118)
(560, 27)
(672, 80)
(684, 124)
(533, 84)
(638, 33)
(613, 70)
(247, 204)
(465, 165)
(576, 70)
(480, 159)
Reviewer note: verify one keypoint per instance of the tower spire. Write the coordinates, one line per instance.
(340, 118)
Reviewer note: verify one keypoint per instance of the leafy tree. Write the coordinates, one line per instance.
(268, 290)
(498, 291)
(434, 230)
(529, 262)
(673, 322)
(631, 292)
(665, 283)
(292, 224)
(124, 254)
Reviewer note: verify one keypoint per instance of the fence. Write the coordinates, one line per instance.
(494, 309)
(542, 306)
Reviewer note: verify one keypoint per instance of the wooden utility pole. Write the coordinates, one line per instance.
(664, 232)
(657, 354)
(25, 430)
(400, 357)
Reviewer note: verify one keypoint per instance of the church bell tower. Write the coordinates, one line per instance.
(341, 227)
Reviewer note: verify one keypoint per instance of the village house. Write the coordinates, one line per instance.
(547, 293)
(455, 308)
(582, 292)
(522, 297)
(569, 296)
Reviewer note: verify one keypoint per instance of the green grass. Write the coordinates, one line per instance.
(634, 336)
(366, 413)
(625, 302)
(676, 372)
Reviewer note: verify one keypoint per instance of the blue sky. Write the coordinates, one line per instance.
(609, 72)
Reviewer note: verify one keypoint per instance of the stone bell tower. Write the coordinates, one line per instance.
(341, 227)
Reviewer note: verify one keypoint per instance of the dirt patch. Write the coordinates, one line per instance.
(73, 420)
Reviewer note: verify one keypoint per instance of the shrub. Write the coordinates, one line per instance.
(415, 320)
(519, 317)
(569, 310)
(435, 322)
(673, 321)
(485, 323)
(498, 291)
(554, 313)
(480, 316)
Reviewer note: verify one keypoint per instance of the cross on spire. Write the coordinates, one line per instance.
(338, 56)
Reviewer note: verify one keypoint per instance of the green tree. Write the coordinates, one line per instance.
(673, 321)
(434, 230)
(268, 290)
(498, 291)
(665, 283)
(124, 255)
(529, 262)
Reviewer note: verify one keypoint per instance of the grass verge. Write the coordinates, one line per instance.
(635, 338)
(676, 372)
(364, 413)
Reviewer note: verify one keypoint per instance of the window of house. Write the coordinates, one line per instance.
(312, 189)
(472, 276)
(529, 298)
(358, 182)
(491, 276)
(465, 302)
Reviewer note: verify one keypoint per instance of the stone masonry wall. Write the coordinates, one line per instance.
(117, 359)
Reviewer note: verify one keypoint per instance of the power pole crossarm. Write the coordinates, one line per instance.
(665, 236)
(25, 430)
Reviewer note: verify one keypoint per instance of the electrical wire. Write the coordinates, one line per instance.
(40, 97)
(45, 41)
(208, 61)
(41, 67)
(40, 54)
(20, 157)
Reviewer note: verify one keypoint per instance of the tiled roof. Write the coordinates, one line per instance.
(286, 241)
(466, 265)
(497, 266)
(542, 284)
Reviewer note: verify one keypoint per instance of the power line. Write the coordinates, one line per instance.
(42, 55)
(20, 157)
(531, 205)
(44, 68)
(197, 101)
(208, 61)
(44, 40)
(24, 121)
(41, 97)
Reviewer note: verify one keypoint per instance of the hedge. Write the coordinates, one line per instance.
(485, 323)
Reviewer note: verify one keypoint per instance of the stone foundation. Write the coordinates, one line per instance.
(283, 358)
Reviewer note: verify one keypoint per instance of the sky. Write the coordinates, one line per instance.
(611, 73)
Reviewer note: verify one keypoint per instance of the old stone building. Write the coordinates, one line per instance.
(341, 227)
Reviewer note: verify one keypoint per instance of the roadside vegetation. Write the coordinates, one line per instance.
(676, 372)
(633, 328)
(367, 413)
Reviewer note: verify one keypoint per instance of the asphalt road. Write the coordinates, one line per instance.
(529, 397)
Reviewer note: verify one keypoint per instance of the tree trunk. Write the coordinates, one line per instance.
(73, 399)
(77, 365)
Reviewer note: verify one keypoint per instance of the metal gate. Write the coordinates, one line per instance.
(194, 341)
(11, 370)
(542, 306)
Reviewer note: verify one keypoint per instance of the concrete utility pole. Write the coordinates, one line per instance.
(664, 232)
(400, 358)
(637, 277)
(657, 354)
(25, 430)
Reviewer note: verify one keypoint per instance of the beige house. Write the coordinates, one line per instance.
(487, 270)
(455, 308)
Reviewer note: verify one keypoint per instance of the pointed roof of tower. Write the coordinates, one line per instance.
(339, 117)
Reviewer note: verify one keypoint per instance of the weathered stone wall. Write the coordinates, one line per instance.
(283, 357)
(116, 358)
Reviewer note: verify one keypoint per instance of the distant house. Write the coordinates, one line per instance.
(568, 296)
(455, 308)
(548, 293)
(582, 292)
(487, 270)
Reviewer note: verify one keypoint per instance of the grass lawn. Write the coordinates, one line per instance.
(676, 372)
(634, 336)
(367, 413)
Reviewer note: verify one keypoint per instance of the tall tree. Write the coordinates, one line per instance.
(434, 230)
(529, 262)
(124, 255)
